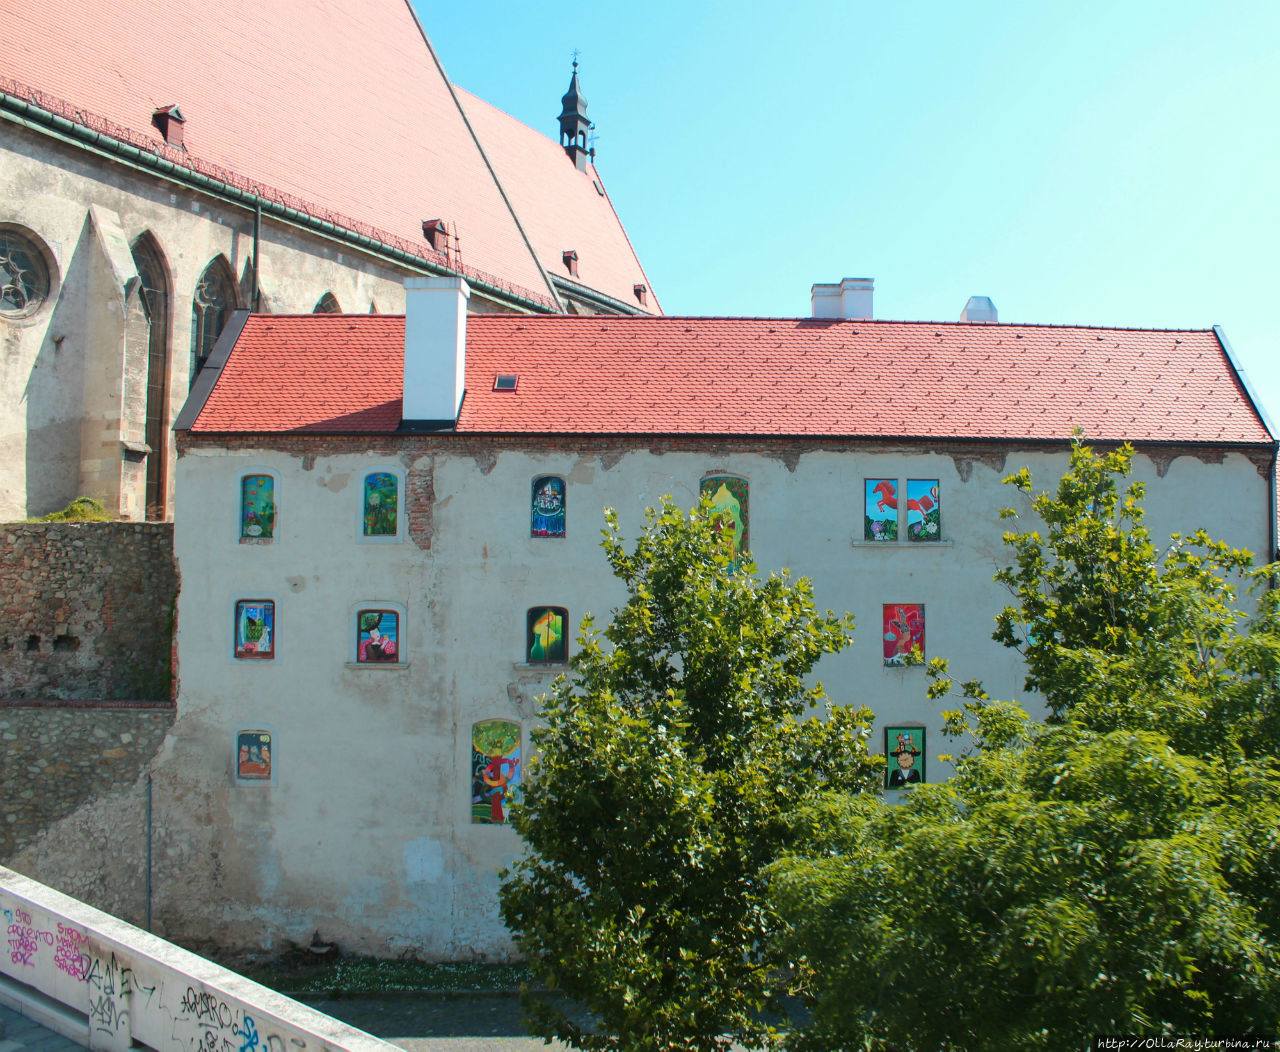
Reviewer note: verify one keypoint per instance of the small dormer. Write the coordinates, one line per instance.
(574, 125)
(436, 233)
(168, 121)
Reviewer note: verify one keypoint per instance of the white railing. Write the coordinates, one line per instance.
(109, 985)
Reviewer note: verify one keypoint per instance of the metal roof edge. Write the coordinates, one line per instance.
(1243, 377)
(208, 376)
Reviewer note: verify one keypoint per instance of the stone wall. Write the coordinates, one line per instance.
(86, 612)
(57, 756)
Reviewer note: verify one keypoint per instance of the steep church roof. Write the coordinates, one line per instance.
(815, 377)
(341, 111)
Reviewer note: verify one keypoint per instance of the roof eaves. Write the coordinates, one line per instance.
(602, 299)
(19, 105)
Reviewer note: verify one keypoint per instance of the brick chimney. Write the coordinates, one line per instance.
(850, 299)
(435, 352)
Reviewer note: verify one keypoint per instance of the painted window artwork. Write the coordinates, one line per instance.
(495, 770)
(253, 755)
(255, 628)
(903, 632)
(924, 510)
(547, 511)
(378, 637)
(728, 495)
(257, 507)
(381, 504)
(548, 636)
(881, 520)
(903, 757)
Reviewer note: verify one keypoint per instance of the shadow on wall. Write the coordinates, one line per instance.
(54, 392)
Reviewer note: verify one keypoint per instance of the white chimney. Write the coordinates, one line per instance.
(435, 349)
(850, 299)
(979, 308)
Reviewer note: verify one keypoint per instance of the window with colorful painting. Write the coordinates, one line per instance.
(495, 770)
(903, 632)
(880, 522)
(546, 513)
(904, 757)
(381, 505)
(257, 508)
(255, 629)
(378, 637)
(890, 515)
(254, 755)
(547, 639)
(924, 510)
(729, 497)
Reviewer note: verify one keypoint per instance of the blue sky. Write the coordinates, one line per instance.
(1085, 163)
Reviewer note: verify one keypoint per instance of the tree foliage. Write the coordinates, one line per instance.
(1116, 870)
(659, 789)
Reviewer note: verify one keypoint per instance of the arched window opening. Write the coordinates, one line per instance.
(211, 307)
(153, 294)
(328, 304)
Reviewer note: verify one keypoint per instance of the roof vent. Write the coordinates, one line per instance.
(169, 121)
(436, 231)
(850, 299)
(570, 258)
(979, 308)
(642, 294)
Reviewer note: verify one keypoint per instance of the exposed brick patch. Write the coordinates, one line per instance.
(86, 611)
(420, 498)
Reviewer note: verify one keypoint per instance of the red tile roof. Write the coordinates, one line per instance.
(342, 112)
(748, 376)
(560, 208)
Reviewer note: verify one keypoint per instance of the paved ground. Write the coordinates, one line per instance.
(19, 1032)
(439, 1022)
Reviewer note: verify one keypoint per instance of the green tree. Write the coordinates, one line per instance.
(1115, 870)
(659, 789)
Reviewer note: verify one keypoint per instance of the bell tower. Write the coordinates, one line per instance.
(574, 125)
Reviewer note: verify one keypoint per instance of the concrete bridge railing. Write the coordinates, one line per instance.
(109, 985)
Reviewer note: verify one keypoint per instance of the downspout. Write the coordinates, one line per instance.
(257, 237)
(148, 851)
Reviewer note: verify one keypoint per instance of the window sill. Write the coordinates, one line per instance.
(541, 666)
(377, 664)
(256, 540)
(894, 545)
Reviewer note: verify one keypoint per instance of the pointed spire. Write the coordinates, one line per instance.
(574, 125)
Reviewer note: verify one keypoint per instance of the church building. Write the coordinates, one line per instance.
(164, 165)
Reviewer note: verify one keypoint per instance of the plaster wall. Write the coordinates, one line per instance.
(365, 830)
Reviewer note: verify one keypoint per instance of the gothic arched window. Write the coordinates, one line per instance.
(211, 307)
(328, 304)
(153, 296)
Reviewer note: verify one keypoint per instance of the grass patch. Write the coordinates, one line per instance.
(363, 975)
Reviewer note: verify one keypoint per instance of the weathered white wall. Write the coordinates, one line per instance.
(112, 985)
(367, 835)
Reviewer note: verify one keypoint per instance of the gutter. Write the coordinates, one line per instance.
(600, 299)
(40, 120)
